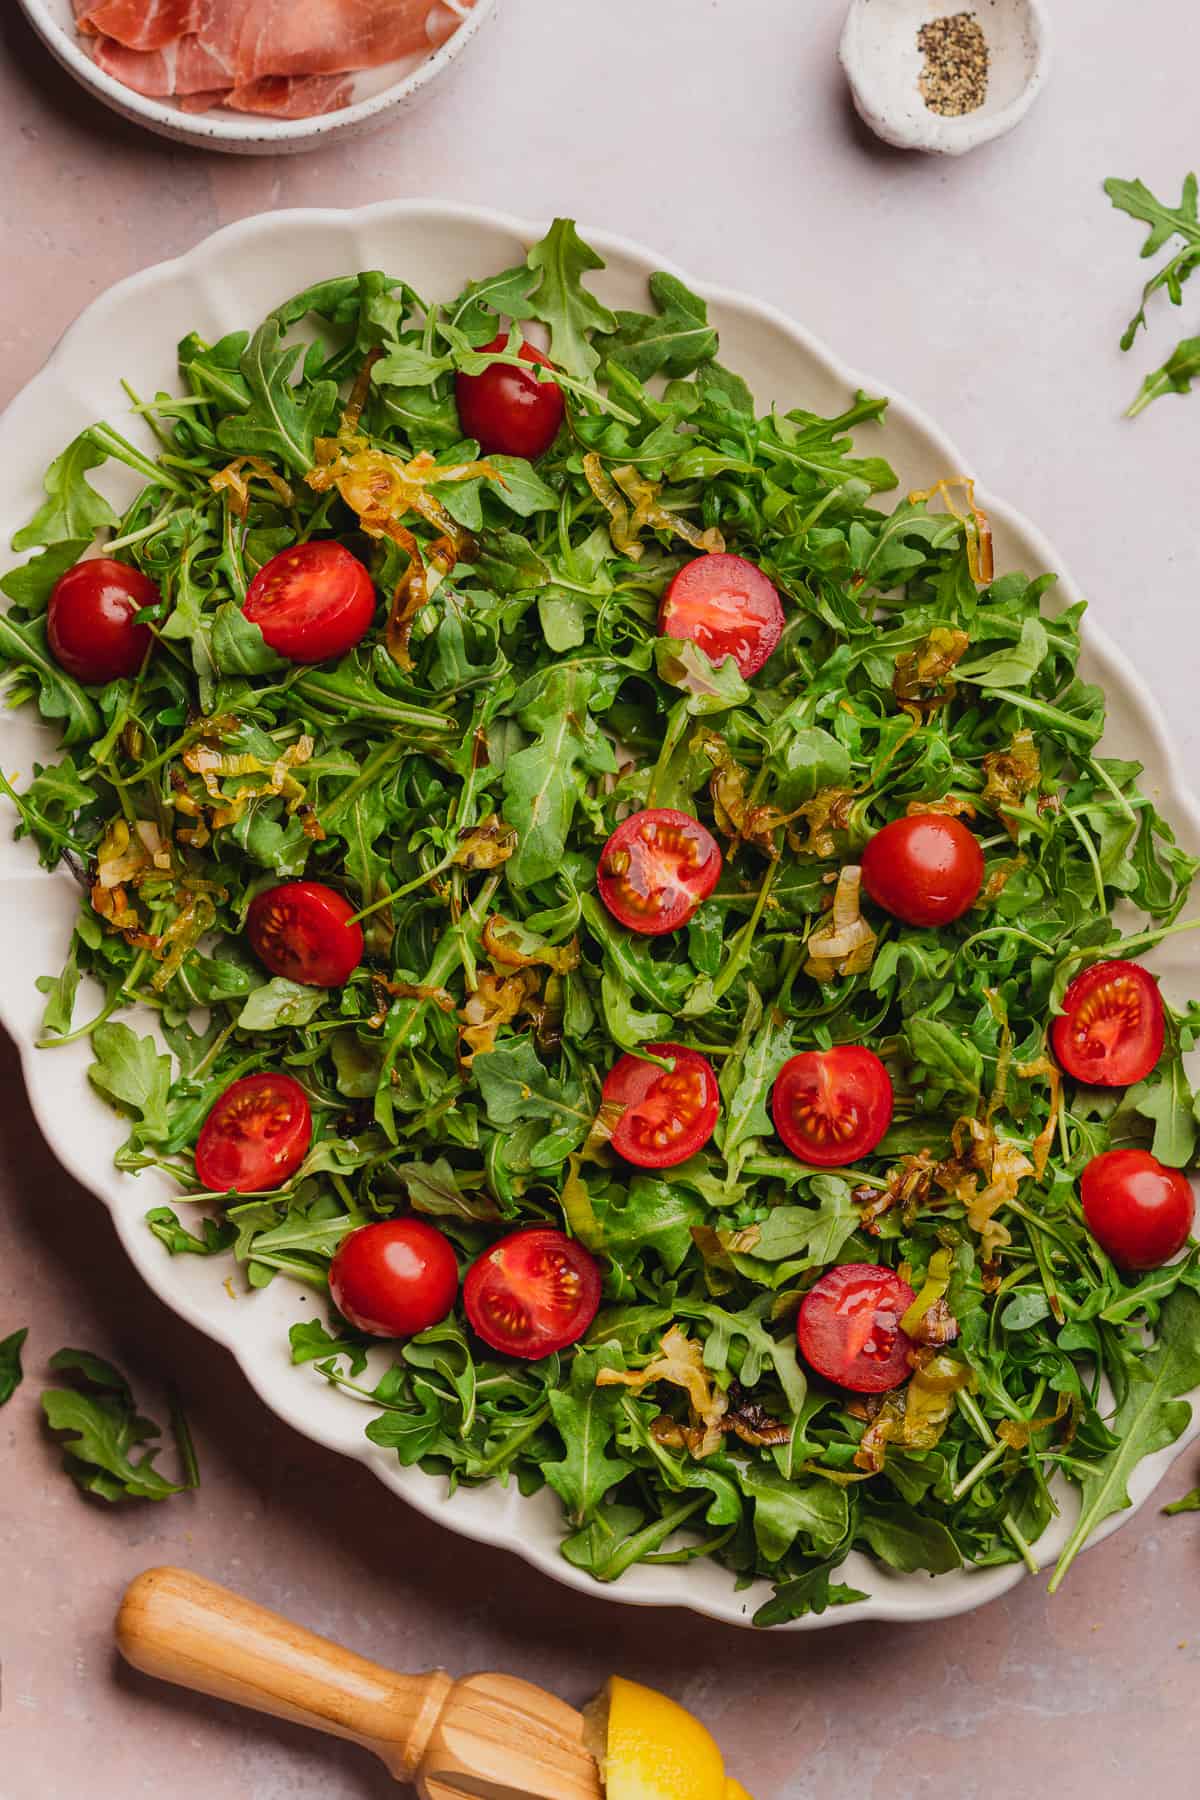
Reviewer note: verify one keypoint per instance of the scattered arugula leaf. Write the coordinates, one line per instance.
(102, 1429)
(11, 1374)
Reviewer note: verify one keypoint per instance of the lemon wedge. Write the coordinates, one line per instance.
(650, 1748)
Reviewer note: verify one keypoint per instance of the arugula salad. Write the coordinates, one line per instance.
(627, 918)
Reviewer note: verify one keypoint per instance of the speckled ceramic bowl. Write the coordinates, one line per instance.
(379, 94)
(883, 66)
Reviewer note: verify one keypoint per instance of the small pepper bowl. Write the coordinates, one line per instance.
(883, 66)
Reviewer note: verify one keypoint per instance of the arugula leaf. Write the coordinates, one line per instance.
(515, 1088)
(816, 1235)
(59, 696)
(815, 1510)
(311, 1340)
(673, 343)
(908, 1540)
(277, 1003)
(282, 419)
(30, 586)
(216, 1238)
(1174, 377)
(812, 1592)
(1165, 222)
(60, 991)
(1189, 1503)
(482, 302)
(951, 1063)
(586, 1417)
(651, 1214)
(238, 645)
(542, 783)
(560, 300)
(1168, 1102)
(73, 510)
(1151, 1416)
(102, 1428)
(10, 1363)
(1014, 666)
(135, 1076)
(518, 484)
(710, 688)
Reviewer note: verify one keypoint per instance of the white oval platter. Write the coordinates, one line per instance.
(232, 280)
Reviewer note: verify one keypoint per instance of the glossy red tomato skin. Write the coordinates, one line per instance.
(1111, 1029)
(255, 1137)
(300, 930)
(727, 606)
(90, 622)
(312, 602)
(533, 1293)
(668, 1116)
(656, 869)
(507, 412)
(832, 1107)
(395, 1278)
(926, 870)
(848, 1328)
(1138, 1210)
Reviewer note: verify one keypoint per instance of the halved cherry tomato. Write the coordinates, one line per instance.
(832, 1106)
(395, 1278)
(256, 1136)
(312, 602)
(1136, 1208)
(667, 1117)
(534, 1292)
(301, 930)
(656, 868)
(727, 606)
(1110, 1031)
(90, 622)
(848, 1328)
(926, 870)
(508, 412)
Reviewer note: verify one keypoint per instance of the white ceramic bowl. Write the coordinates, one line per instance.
(379, 94)
(232, 280)
(883, 66)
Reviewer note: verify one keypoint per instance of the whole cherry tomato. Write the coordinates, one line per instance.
(1136, 1208)
(90, 624)
(395, 1278)
(926, 869)
(506, 411)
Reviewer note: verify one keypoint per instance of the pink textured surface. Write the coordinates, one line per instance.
(993, 292)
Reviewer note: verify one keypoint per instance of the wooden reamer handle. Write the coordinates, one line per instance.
(184, 1629)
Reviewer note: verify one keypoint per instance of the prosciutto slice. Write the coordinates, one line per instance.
(313, 37)
(182, 69)
(291, 96)
(284, 58)
(139, 24)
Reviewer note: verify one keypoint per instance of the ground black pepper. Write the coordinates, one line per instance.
(955, 77)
